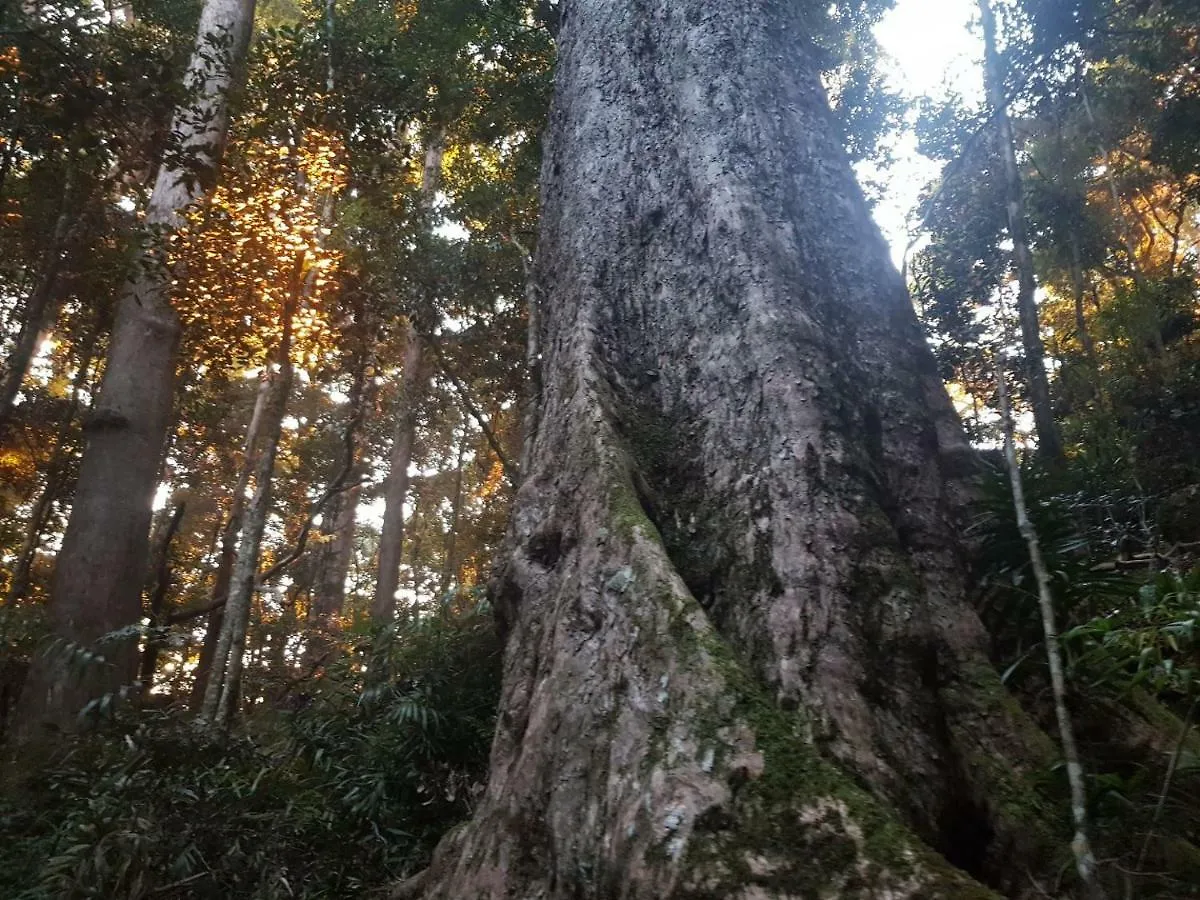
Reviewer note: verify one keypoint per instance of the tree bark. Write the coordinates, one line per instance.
(1085, 861)
(56, 480)
(98, 579)
(1049, 437)
(160, 586)
(335, 564)
(532, 394)
(340, 517)
(1081, 325)
(450, 560)
(740, 658)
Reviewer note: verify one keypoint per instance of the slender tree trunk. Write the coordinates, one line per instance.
(225, 679)
(333, 568)
(222, 691)
(160, 586)
(22, 573)
(98, 578)
(740, 658)
(40, 305)
(532, 395)
(412, 386)
(450, 561)
(1085, 861)
(332, 596)
(395, 489)
(1081, 326)
(1038, 383)
(339, 519)
(229, 544)
(56, 479)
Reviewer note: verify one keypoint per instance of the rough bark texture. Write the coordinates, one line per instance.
(1037, 382)
(98, 577)
(740, 661)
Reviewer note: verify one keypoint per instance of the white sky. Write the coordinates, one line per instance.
(931, 47)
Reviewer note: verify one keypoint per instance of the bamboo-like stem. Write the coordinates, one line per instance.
(1085, 860)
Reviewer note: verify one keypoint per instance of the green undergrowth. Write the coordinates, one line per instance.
(342, 788)
(1130, 638)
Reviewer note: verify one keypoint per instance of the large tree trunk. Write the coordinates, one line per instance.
(740, 659)
(98, 578)
(1037, 382)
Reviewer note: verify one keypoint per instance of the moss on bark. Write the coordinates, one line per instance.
(800, 826)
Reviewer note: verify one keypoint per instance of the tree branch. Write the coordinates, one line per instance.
(337, 486)
(464, 396)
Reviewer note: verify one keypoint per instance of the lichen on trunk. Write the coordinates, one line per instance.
(741, 660)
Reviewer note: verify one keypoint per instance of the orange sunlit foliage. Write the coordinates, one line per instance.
(1148, 215)
(495, 481)
(406, 13)
(261, 243)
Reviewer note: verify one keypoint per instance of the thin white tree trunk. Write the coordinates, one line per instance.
(1085, 860)
(224, 680)
(229, 544)
(1038, 383)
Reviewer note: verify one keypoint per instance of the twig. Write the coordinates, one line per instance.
(510, 469)
(183, 882)
(1166, 788)
(337, 486)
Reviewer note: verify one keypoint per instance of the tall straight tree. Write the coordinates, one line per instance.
(1050, 445)
(98, 578)
(740, 657)
(413, 379)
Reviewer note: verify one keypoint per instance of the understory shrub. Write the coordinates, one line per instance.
(346, 784)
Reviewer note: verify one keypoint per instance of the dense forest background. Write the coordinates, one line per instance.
(315, 665)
